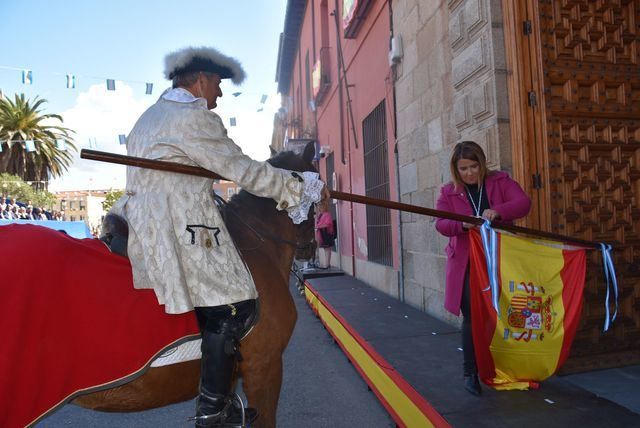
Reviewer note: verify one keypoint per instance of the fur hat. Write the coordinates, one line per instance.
(203, 59)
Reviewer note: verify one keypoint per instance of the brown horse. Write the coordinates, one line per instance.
(268, 241)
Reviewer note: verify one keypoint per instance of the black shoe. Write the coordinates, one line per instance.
(230, 416)
(232, 420)
(472, 385)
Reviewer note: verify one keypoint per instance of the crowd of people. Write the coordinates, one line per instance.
(11, 209)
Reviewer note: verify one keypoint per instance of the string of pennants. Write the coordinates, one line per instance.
(30, 145)
(61, 143)
(72, 79)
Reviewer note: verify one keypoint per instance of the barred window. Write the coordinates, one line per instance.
(376, 170)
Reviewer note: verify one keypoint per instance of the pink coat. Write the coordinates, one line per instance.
(505, 196)
(323, 220)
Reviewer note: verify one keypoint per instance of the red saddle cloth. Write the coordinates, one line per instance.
(71, 321)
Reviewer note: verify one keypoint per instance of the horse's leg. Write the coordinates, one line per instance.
(261, 384)
(261, 368)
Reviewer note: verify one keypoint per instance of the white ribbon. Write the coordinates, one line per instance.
(490, 244)
(612, 282)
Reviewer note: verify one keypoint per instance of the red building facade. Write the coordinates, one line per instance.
(336, 84)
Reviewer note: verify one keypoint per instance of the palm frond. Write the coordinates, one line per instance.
(22, 117)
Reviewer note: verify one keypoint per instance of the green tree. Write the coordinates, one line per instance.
(21, 120)
(110, 198)
(12, 186)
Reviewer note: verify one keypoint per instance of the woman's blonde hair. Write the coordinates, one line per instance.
(469, 150)
(323, 205)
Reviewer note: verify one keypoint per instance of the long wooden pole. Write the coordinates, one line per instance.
(201, 172)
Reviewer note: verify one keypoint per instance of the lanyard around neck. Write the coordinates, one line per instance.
(476, 208)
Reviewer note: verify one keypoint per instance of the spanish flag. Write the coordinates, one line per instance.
(526, 300)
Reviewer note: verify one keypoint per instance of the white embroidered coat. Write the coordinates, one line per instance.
(178, 243)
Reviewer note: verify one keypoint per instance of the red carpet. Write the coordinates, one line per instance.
(71, 320)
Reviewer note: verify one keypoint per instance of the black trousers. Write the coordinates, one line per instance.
(469, 365)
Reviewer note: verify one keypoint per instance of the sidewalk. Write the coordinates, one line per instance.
(422, 358)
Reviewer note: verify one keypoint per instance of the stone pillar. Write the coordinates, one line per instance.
(450, 86)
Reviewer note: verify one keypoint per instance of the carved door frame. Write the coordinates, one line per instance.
(527, 110)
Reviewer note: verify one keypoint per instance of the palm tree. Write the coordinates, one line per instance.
(20, 120)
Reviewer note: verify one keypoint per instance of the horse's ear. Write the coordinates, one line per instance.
(309, 151)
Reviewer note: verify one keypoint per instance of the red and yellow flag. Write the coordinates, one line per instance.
(539, 298)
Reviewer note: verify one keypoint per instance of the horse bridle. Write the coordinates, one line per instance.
(261, 236)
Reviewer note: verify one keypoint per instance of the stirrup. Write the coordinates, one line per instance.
(223, 414)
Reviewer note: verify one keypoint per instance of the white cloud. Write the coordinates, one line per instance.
(102, 115)
(253, 129)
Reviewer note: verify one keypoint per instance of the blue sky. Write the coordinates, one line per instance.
(127, 41)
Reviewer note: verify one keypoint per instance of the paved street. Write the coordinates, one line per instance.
(321, 389)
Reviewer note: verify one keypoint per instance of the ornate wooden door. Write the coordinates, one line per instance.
(584, 101)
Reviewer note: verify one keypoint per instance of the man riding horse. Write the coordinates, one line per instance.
(177, 241)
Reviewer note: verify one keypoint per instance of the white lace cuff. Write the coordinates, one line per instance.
(311, 193)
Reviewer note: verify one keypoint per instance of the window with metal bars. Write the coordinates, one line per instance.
(376, 173)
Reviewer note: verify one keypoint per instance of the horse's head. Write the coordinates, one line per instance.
(305, 237)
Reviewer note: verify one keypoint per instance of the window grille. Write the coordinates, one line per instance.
(376, 170)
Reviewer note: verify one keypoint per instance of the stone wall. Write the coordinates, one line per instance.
(450, 86)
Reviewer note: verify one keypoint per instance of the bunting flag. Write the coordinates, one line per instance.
(526, 299)
(122, 139)
(236, 94)
(30, 145)
(263, 99)
(232, 121)
(61, 145)
(27, 77)
(71, 81)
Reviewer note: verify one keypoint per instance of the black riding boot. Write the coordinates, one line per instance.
(217, 405)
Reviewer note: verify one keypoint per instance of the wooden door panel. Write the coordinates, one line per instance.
(590, 56)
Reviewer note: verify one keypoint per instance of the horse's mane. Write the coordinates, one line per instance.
(285, 160)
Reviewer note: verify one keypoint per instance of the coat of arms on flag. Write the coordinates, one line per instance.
(529, 309)
(525, 319)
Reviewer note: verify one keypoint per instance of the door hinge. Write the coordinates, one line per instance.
(533, 100)
(526, 27)
(537, 181)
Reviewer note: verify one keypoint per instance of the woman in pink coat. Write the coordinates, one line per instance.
(474, 191)
(324, 221)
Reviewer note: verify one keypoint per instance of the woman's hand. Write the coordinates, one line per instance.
(490, 214)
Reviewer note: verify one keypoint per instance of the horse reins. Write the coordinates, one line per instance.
(261, 236)
(222, 204)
